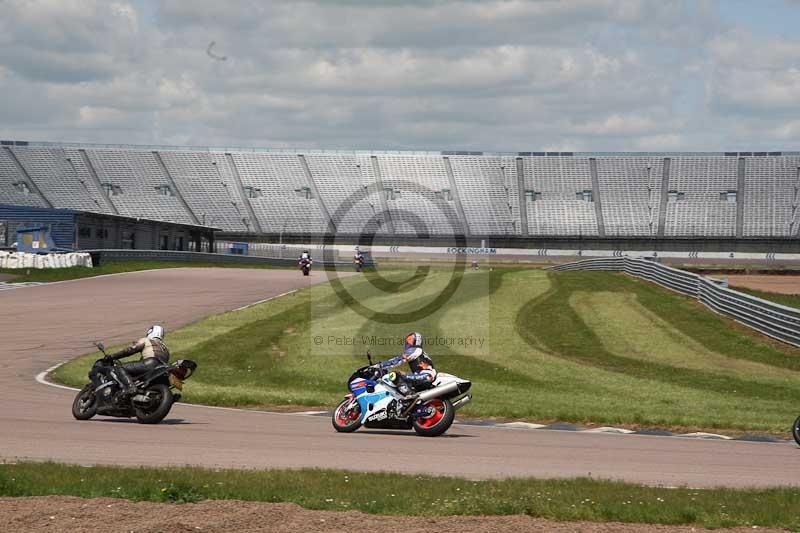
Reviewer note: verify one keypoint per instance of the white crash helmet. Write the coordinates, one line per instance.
(155, 332)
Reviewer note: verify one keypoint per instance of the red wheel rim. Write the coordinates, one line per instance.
(433, 419)
(345, 418)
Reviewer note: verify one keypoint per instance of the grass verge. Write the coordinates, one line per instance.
(110, 267)
(394, 494)
(583, 347)
(792, 300)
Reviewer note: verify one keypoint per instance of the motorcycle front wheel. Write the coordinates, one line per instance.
(155, 413)
(84, 406)
(438, 421)
(796, 430)
(347, 417)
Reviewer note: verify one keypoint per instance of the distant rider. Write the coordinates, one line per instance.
(305, 259)
(422, 371)
(154, 352)
(358, 260)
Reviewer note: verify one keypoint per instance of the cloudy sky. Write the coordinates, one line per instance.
(617, 75)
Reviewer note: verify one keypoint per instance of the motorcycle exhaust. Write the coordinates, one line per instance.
(461, 402)
(444, 390)
(141, 398)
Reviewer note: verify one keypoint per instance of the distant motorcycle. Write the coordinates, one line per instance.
(305, 265)
(358, 261)
(375, 402)
(796, 430)
(155, 391)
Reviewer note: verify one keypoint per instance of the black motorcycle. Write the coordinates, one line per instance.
(155, 391)
(305, 266)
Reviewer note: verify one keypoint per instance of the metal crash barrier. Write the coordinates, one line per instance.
(778, 321)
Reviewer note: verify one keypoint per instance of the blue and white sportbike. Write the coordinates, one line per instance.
(375, 402)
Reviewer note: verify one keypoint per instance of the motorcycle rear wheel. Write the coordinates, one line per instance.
(84, 406)
(346, 421)
(440, 421)
(796, 430)
(157, 413)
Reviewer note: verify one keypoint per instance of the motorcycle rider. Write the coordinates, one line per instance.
(154, 352)
(358, 260)
(305, 259)
(422, 371)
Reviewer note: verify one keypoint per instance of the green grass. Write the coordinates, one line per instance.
(583, 347)
(110, 267)
(792, 300)
(394, 494)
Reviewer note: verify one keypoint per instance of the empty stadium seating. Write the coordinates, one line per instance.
(137, 179)
(349, 190)
(488, 192)
(772, 195)
(282, 201)
(552, 185)
(14, 186)
(702, 212)
(630, 192)
(409, 193)
(416, 207)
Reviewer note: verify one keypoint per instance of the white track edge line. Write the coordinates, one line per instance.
(264, 300)
(41, 377)
(46, 283)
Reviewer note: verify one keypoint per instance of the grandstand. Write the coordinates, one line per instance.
(731, 195)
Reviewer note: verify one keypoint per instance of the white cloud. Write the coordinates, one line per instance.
(494, 75)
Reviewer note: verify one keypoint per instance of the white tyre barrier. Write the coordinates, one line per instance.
(42, 261)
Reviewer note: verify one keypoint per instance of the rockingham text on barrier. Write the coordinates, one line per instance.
(479, 251)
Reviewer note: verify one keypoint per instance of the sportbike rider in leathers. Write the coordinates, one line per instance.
(154, 352)
(422, 373)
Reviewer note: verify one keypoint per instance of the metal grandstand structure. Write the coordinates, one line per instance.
(723, 195)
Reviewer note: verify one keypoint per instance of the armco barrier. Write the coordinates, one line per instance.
(778, 321)
(100, 256)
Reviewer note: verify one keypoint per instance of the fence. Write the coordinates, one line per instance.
(280, 251)
(778, 321)
(101, 256)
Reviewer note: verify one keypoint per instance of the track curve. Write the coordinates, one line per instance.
(47, 324)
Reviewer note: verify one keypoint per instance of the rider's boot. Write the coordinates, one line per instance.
(128, 389)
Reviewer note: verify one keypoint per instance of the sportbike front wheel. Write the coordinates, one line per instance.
(347, 416)
(84, 406)
(796, 430)
(441, 414)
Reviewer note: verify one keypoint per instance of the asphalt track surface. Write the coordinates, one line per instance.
(47, 324)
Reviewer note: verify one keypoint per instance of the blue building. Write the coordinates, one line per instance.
(69, 229)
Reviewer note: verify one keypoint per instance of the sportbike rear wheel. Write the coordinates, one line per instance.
(347, 416)
(796, 430)
(84, 406)
(441, 416)
(159, 409)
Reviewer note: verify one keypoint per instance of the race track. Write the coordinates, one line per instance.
(45, 325)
